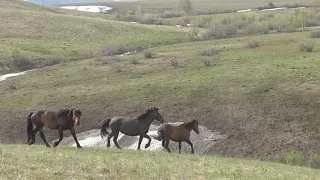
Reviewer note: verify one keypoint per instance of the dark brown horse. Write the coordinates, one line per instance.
(177, 132)
(61, 120)
(131, 126)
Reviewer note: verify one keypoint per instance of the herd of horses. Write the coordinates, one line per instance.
(65, 119)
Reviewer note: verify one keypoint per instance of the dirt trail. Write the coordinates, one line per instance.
(202, 142)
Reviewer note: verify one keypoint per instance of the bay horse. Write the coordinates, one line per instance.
(177, 132)
(62, 120)
(131, 126)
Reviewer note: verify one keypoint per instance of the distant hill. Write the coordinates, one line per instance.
(63, 1)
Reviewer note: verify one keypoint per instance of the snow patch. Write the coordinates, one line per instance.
(95, 9)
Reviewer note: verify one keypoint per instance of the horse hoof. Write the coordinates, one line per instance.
(79, 147)
(147, 145)
(48, 146)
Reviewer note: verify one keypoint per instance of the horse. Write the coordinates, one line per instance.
(62, 120)
(177, 132)
(131, 126)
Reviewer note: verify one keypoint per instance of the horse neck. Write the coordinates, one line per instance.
(189, 126)
(148, 119)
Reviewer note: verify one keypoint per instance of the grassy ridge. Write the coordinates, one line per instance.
(35, 162)
(44, 35)
(199, 5)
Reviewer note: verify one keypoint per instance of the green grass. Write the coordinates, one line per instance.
(46, 35)
(264, 99)
(244, 91)
(35, 162)
(199, 5)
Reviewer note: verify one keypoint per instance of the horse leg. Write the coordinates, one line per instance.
(180, 147)
(33, 139)
(115, 140)
(60, 137)
(42, 137)
(139, 143)
(190, 143)
(73, 133)
(109, 138)
(149, 142)
(163, 142)
(167, 145)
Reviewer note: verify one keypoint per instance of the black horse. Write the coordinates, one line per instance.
(131, 126)
(62, 120)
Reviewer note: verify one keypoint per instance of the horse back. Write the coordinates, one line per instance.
(45, 118)
(176, 131)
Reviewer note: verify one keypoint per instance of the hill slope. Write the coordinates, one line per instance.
(266, 100)
(102, 163)
(45, 34)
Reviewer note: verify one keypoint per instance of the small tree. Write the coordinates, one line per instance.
(186, 6)
(303, 18)
(271, 5)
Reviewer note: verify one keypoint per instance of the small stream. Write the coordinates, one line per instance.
(202, 142)
(6, 76)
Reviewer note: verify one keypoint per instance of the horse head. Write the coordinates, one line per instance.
(155, 114)
(75, 114)
(195, 126)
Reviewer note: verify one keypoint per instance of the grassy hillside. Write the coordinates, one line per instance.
(32, 162)
(264, 99)
(43, 36)
(199, 5)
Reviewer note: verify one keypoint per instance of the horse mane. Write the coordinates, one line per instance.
(63, 112)
(189, 125)
(146, 113)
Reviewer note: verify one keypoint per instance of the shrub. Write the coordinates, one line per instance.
(271, 5)
(194, 34)
(116, 67)
(20, 61)
(291, 28)
(253, 44)
(186, 19)
(135, 60)
(206, 60)
(306, 45)
(114, 49)
(170, 14)
(104, 60)
(294, 158)
(207, 34)
(208, 51)
(49, 62)
(258, 29)
(11, 87)
(218, 31)
(314, 161)
(314, 34)
(240, 24)
(174, 62)
(148, 53)
(230, 29)
(270, 15)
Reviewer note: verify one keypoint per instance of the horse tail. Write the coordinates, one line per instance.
(159, 137)
(104, 127)
(29, 127)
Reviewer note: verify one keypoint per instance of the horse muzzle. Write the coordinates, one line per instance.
(77, 122)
